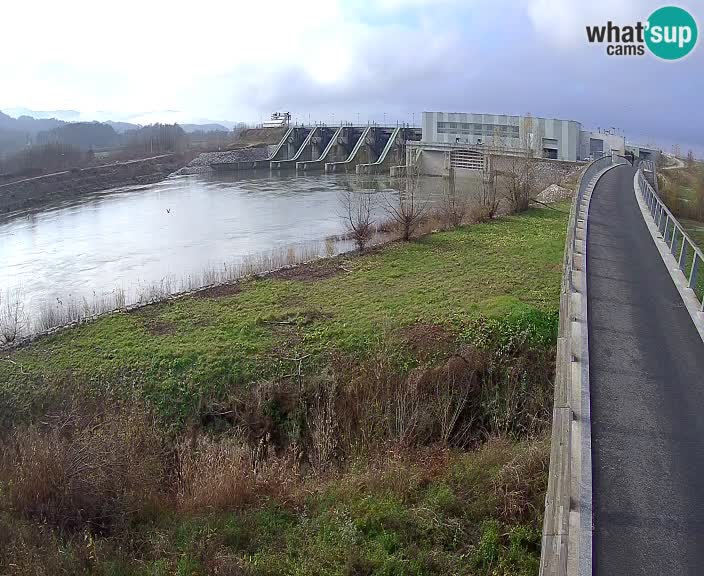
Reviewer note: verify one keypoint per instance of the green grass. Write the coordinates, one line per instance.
(387, 509)
(695, 230)
(495, 280)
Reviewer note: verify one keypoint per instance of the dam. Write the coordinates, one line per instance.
(369, 149)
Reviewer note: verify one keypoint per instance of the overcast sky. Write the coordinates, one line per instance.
(157, 60)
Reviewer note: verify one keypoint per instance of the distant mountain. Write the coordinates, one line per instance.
(228, 124)
(204, 128)
(65, 115)
(28, 124)
(122, 127)
(83, 135)
(19, 132)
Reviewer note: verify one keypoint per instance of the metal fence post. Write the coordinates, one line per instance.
(693, 273)
(683, 254)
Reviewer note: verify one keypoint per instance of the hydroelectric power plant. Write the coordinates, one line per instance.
(369, 149)
(463, 142)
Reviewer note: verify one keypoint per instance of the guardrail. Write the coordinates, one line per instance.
(690, 258)
(566, 542)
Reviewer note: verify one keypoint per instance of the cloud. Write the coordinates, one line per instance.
(365, 58)
(562, 22)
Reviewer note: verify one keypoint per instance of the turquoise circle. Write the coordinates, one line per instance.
(671, 33)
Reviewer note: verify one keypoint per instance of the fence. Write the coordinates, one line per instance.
(688, 255)
(566, 544)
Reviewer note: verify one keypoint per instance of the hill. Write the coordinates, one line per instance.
(204, 128)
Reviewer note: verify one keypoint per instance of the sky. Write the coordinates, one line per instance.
(332, 60)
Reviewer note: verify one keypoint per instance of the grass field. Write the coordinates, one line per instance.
(504, 275)
(381, 414)
(682, 189)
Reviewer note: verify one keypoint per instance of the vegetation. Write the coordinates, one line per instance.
(31, 147)
(682, 189)
(379, 414)
(502, 275)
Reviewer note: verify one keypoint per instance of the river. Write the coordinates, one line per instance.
(124, 241)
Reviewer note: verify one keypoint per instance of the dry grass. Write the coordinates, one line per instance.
(227, 472)
(520, 485)
(85, 469)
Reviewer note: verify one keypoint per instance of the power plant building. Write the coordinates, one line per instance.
(550, 138)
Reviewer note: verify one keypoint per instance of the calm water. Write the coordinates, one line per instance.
(131, 237)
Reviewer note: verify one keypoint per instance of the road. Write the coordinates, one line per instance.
(647, 397)
(86, 168)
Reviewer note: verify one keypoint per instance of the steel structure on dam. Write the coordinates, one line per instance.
(367, 149)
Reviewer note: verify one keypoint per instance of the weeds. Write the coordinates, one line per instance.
(93, 470)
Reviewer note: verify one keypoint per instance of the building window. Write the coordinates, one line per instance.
(475, 129)
(596, 147)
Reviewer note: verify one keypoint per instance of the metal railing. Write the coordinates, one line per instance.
(689, 256)
(561, 550)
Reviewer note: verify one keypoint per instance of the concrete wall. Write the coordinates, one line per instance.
(643, 153)
(563, 136)
(610, 143)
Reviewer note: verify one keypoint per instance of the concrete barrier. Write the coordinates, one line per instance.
(567, 526)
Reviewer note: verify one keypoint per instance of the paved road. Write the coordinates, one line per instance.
(646, 363)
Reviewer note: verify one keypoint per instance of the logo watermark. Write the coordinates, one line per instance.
(669, 33)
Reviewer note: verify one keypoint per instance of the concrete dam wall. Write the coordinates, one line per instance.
(357, 149)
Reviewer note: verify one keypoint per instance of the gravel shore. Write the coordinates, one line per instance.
(202, 163)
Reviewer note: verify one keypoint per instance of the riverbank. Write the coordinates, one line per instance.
(331, 418)
(40, 191)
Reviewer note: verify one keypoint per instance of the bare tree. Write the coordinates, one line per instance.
(497, 140)
(357, 216)
(407, 209)
(520, 173)
(488, 199)
(12, 317)
(454, 206)
(690, 157)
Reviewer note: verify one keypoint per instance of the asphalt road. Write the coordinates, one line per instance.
(646, 364)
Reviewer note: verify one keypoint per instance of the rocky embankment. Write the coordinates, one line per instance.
(554, 193)
(52, 188)
(203, 162)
